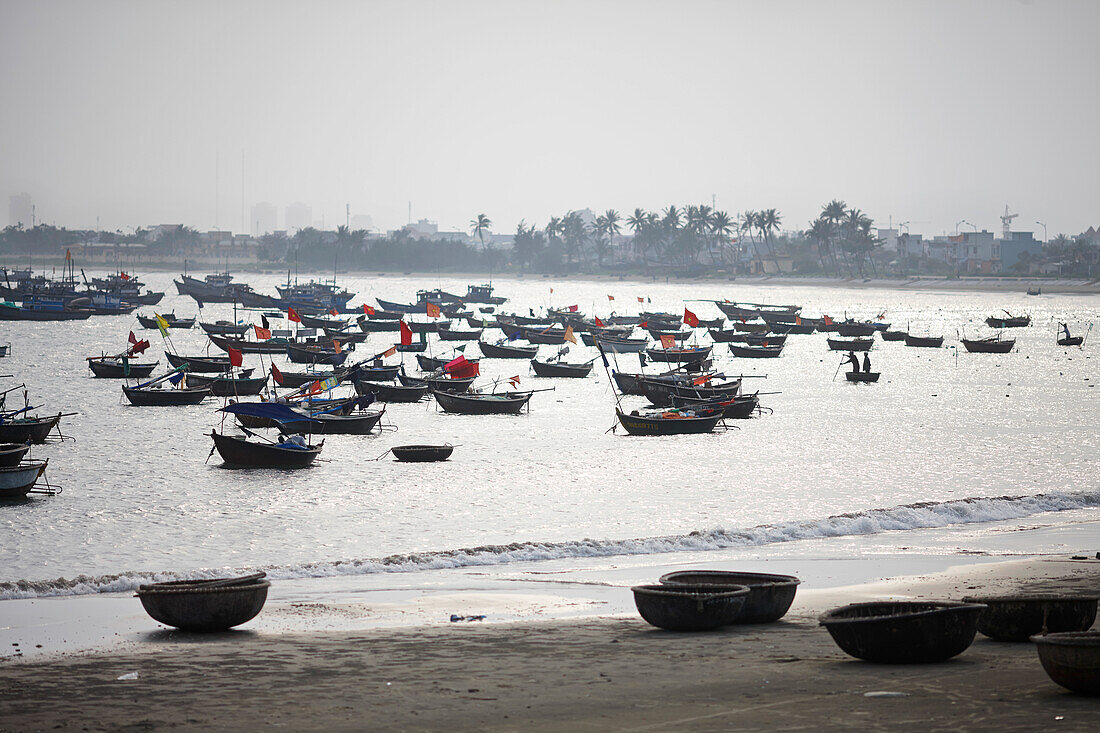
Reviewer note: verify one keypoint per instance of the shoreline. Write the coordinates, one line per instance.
(611, 671)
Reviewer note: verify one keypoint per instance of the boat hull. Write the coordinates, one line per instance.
(32, 430)
(548, 369)
(240, 453)
(642, 425)
(165, 397)
(470, 404)
(987, 346)
(17, 481)
(109, 369)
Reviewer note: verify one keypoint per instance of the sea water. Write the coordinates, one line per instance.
(945, 439)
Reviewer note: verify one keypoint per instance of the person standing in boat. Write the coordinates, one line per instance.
(867, 361)
(1065, 329)
(853, 360)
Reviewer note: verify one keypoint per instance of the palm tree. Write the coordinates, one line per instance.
(721, 227)
(670, 227)
(746, 226)
(768, 221)
(834, 212)
(479, 226)
(611, 221)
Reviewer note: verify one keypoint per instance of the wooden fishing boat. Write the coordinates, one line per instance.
(108, 367)
(12, 453)
(438, 383)
(560, 369)
(750, 311)
(414, 348)
(222, 328)
(434, 363)
(41, 311)
(666, 423)
(355, 423)
(553, 336)
(422, 453)
(620, 345)
(1071, 340)
(677, 355)
(660, 391)
(851, 329)
(473, 403)
(17, 481)
(1008, 321)
(729, 337)
(200, 364)
(795, 328)
(765, 339)
(392, 392)
(737, 407)
(346, 337)
(927, 342)
(321, 322)
(756, 352)
(164, 397)
(482, 294)
(372, 325)
(240, 452)
(677, 335)
(991, 345)
(227, 386)
(314, 355)
(893, 335)
(1034, 291)
(150, 323)
(447, 334)
(855, 344)
(294, 380)
(370, 373)
(27, 429)
(506, 351)
(426, 326)
(861, 376)
(245, 346)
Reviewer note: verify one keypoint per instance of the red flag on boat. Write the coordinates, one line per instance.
(514, 381)
(643, 324)
(668, 341)
(599, 323)
(798, 320)
(456, 362)
(572, 309)
(828, 321)
(336, 345)
(133, 339)
(611, 297)
(701, 380)
(334, 312)
(123, 276)
(433, 310)
(390, 351)
(367, 310)
(276, 374)
(262, 334)
(293, 315)
(641, 299)
(236, 358)
(139, 347)
(690, 318)
(406, 334)
(315, 387)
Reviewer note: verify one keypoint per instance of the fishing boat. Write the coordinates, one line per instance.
(850, 328)
(552, 336)
(370, 373)
(217, 288)
(1008, 321)
(679, 336)
(1071, 340)
(610, 345)
(40, 309)
(927, 342)
(110, 367)
(199, 364)
(506, 351)
(482, 294)
(447, 334)
(438, 382)
(727, 337)
(294, 380)
(1034, 291)
(751, 327)
(372, 325)
(165, 397)
(299, 354)
(17, 481)
(321, 322)
(737, 407)
(589, 338)
(893, 335)
(561, 369)
(803, 327)
(676, 355)
(475, 403)
(433, 363)
(12, 453)
(756, 352)
(15, 429)
(392, 392)
(422, 453)
(239, 452)
(223, 386)
(853, 344)
(750, 311)
(668, 422)
(765, 339)
(224, 328)
(150, 323)
(360, 422)
(861, 376)
(991, 345)
(275, 345)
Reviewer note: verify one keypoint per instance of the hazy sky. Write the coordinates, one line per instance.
(930, 112)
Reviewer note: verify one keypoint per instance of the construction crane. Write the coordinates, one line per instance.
(1006, 223)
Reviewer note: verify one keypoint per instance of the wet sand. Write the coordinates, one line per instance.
(598, 674)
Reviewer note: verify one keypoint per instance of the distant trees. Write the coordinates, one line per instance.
(479, 226)
(845, 230)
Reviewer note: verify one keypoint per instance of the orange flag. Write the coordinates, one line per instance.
(336, 345)
(828, 321)
(641, 299)
(611, 297)
(433, 310)
(262, 334)
(390, 351)
(668, 341)
(334, 312)
(569, 335)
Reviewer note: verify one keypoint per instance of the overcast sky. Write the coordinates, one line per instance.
(931, 112)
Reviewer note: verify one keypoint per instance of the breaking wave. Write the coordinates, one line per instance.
(924, 515)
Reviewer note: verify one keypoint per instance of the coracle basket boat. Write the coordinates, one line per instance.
(1072, 659)
(770, 595)
(1018, 617)
(422, 453)
(205, 605)
(903, 632)
(689, 607)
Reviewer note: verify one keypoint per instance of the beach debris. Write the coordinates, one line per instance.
(885, 693)
(128, 676)
(455, 618)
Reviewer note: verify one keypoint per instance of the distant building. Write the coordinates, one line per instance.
(911, 245)
(298, 216)
(944, 248)
(889, 239)
(21, 210)
(264, 219)
(1012, 249)
(362, 221)
(975, 253)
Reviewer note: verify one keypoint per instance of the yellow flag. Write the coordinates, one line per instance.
(162, 324)
(569, 335)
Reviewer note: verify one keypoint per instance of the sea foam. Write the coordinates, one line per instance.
(923, 515)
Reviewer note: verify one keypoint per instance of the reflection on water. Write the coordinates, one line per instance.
(939, 426)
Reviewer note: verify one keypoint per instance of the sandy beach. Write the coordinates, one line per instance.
(601, 673)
